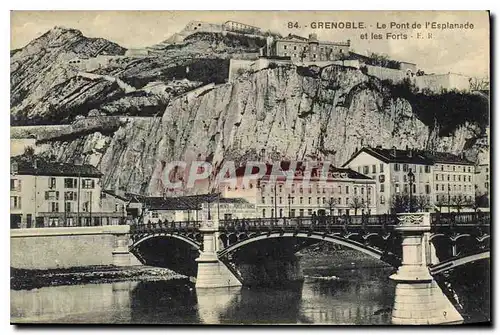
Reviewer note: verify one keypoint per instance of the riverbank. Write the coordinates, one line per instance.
(21, 279)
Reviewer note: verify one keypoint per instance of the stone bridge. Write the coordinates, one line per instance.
(263, 251)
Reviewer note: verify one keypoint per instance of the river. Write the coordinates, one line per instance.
(358, 293)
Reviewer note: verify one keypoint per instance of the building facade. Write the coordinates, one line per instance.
(310, 49)
(482, 183)
(289, 192)
(44, 193)
(195, 208)
(433, 177)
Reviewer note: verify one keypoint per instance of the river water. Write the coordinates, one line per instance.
(356, 295)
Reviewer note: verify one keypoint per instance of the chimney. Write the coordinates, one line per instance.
(410, 152)
(394, 151)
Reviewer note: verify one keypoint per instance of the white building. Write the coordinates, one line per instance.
(289, 192)
(436, 175)
(44, 193)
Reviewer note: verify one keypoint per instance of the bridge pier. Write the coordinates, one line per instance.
(212, 272)
(418, 298)
(120, 253)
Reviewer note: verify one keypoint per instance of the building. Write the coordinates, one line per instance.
(195, 208)
(438, 178)
(290, 192)
(240, 27)
(309, 49)
(454, 181)
(482, 184)
(44, 193)
(127, 206)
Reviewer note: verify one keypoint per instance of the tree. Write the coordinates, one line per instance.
(29, 151)
(400, 203)
(460, 201)
(332, 203)
(479, 84)
(441, 202)
(357, 202)
(421, 203)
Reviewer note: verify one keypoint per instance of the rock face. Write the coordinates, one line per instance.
(282, 112)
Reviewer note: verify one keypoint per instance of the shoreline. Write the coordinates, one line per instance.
(23, 279)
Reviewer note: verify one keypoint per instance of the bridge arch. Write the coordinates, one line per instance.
(458, 261)
(185, 239)
(335, 238)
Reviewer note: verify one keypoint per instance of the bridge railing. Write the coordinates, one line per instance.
(318, 222)
(466, 218)
(165, 226)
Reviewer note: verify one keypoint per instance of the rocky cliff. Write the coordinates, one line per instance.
(279, 112)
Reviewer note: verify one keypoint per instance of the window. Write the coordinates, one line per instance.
(70, 183)
(420, 169)
(272, 200)
(442, 187)
(374, 168)
(396, 187)
(53, 207)
(88, 183)
(340, 189)
(347, 189)
(70, 195)
(68, 207)
(437, 187)
(154, 214)
(459, 178)
(51, 195)
(263, 200)
(405, 178)
(339, 201)
(294, 47)
(381, 168)
(362, 190)
(448, 177)
(318, 200)
(324, 200)
(301, 200)
(324, 190)
(454, 178)
(486, 185)
(310, 189)
(405, 167)
(396, 167)
(52, 182)
(366, 169)
(355, 190)
(281, 188)
(284, 47)
(15, 202)
(301, 212)
(346, 201)
(486, 178)
(15, 185)
(442, 167)
(382, 199)
(453, 167)
(292, 199)
(281, 200)
(263, 212)
(427, 169)
(437, 176)
(309, 212)
(382, 188)
(309, 200)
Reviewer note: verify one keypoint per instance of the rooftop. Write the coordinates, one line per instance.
(192, 202)
(411, 156)
(40, 166)
(285, 169)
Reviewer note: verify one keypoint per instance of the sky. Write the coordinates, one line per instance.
(464, 51)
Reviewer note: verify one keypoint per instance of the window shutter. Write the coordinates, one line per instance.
(46, 195)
